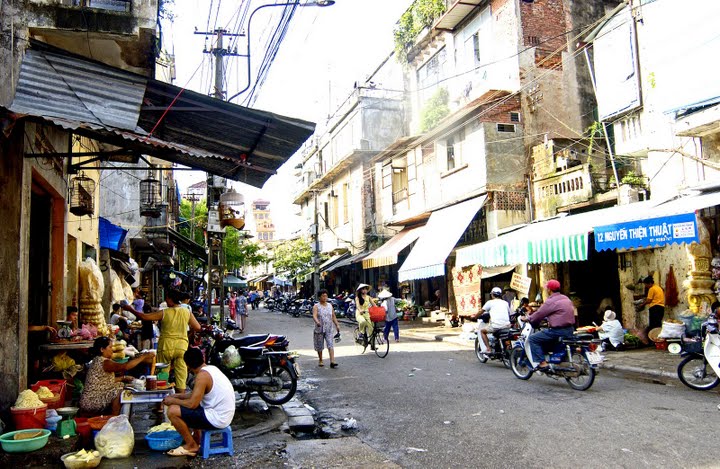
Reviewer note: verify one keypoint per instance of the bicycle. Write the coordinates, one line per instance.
(376, 340)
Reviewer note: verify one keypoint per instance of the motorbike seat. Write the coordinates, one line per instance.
(502, 332)
(250, 352)
(577, 338)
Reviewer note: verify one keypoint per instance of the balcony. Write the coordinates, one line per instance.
(366, 123)
(457, 10)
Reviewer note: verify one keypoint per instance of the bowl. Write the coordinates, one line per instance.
(97, 423)
(164, 440)
(67, 411)
(121, 360)
(10, 445)
(80, 464)
(160, 366)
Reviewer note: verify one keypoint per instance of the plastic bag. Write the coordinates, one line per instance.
(671, 330)
(116, 439)
(231, 357)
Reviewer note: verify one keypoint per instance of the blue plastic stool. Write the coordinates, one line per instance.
(224, 446)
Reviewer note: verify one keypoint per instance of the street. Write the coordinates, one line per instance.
(432, 404)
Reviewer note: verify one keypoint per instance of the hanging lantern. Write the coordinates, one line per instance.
(82, 189)
(150, 197)
(232, 210)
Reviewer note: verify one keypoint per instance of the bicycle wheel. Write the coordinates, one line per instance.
(358, 340)
(382, 346)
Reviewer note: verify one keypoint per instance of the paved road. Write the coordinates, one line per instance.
(432, 396)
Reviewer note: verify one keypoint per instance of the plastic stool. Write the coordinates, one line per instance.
(221, 447)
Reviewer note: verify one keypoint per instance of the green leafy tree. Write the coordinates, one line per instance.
(436, 109)
(239, 252)
(199, 222)
(420, 15)
(293, 257)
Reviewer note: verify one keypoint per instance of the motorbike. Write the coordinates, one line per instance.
(265, 365)
(500, 346)
(575, 359)
(700, 369)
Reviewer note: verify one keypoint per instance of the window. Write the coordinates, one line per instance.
(399, 180)
(428, 150)
(270, 236)
(334, 207)
(450, 151)
(476, 47)
(453, 150)
(430, 74)
(346, 202)
(326, 213)
(506, 128)
(514, 117)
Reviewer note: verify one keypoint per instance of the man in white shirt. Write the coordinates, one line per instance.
(499, 312)
(210, 406)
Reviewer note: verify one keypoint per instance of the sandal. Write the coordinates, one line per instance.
(321, 364)
(181, 451)
(334, 365)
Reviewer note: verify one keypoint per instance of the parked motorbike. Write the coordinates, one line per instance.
(573, 359)
(700, 369)
(265, 366)
(501, 345)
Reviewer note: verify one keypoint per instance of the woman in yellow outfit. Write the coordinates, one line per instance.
(173, 342)
(363, 302)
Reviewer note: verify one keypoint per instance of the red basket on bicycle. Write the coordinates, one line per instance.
(377, 313)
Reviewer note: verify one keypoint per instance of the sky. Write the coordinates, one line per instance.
(325, 51)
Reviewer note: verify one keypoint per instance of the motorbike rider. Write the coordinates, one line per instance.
(499, 312)
(559, 312)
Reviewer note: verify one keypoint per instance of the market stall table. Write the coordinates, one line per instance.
(131, 396)
(65, 346)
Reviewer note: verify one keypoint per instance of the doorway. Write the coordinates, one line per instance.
(39, 258)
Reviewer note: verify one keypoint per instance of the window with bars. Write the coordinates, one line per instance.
(510, 200)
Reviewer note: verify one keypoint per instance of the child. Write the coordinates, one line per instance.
(611, 332)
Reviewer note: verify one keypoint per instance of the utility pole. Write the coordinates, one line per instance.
(316, 248)
(219, 52)
(215, 186)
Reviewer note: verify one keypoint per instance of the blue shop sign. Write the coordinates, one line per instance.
(648, 233)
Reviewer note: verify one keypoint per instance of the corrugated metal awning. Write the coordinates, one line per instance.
(442, 232)
(122, 109)
(387, 254)
(348, 261)
(332, 261)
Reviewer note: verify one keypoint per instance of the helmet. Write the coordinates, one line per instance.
(496, 291)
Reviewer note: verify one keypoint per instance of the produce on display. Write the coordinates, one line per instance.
(28, 400)
(44, 393)
(116, 439)
(92, 287)
(165, 426)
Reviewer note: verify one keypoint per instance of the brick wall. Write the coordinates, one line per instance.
(542, 20)
(500, 113)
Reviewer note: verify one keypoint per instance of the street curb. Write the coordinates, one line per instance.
(276, 420)
(636, 370)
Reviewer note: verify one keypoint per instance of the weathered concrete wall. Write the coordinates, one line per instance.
(120, 199)
(13, 299)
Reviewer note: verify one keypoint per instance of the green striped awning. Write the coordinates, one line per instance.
(573, 247)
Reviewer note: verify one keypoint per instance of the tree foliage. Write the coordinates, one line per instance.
(420, 15)
(239, 252)
(436, 109)
(293, 257)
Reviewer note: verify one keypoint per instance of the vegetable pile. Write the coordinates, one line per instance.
(28, 400)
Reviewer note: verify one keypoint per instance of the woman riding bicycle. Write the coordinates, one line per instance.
(363, 302)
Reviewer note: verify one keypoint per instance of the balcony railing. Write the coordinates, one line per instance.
(399, 196)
